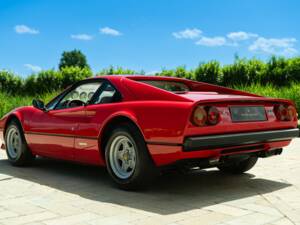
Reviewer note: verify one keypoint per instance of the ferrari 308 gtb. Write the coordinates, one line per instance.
(137, 126)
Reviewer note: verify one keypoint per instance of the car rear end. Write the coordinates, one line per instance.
(223, 123)
(225, 128)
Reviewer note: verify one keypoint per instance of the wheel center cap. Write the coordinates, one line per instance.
(126, 156)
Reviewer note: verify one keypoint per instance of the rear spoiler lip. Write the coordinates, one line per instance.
(246, 100)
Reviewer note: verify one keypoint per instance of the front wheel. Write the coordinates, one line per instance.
(238, 166)
(17, 150)
(127, 158)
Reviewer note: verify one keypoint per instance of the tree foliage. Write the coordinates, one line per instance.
(74, 58)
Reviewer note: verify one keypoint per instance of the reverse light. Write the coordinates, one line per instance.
(285, 113)
(206, 115)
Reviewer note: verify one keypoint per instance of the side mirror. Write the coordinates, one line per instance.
(38, 104)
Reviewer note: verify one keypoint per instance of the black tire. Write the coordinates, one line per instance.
(23, 156)
(144, 171)
(238, 166)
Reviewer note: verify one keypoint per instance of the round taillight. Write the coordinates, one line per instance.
(285, 113)
(291, 113)
(213, 115)
(279, 112)
(200, 116)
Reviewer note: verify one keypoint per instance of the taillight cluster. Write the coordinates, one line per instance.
(285, 112)
(205, 115)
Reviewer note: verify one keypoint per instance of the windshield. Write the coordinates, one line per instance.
(172, 86)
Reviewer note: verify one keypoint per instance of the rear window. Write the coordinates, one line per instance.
(171, 86)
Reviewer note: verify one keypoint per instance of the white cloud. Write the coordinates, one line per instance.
(83, 37)
(212, 42)
(23, 29)
(110, 31)
(33, 68)
(278, 46)
(187, 34)
(241, 36)
(282, 46)
(289, 51)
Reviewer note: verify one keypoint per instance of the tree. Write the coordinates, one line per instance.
(73, 58)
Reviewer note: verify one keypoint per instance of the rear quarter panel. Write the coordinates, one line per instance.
(159, 121)
(163, 122)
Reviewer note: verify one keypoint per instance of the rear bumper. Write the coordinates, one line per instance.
(217, 146)
(229, 140)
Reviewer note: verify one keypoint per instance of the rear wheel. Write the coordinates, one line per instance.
(127, 158)
(238, 166)
(17, 150)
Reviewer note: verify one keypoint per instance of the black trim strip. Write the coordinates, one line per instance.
(230, 140)
(163, 143)
(61, 135)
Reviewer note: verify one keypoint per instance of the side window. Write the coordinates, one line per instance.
(108, 95)
(51, 105)
(79, 96)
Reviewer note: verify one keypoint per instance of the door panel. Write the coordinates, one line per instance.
(103, 104)
(86, 141)
(52, 133)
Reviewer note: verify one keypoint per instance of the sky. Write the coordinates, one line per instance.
(145, 35)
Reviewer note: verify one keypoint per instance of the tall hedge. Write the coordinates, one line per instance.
(118, 71)
(10, 83)
(277, 71)
(70, 75)
(210, 72)
(46, 81)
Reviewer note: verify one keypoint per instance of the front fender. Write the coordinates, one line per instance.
(23, 114)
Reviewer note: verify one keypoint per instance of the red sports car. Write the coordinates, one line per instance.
(138, 125)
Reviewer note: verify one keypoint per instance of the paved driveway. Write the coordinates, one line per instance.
(60, 193)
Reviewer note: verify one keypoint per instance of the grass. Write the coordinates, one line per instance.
(8, 102)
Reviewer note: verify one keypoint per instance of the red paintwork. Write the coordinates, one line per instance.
(162, 117)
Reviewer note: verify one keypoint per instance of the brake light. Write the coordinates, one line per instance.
(285, 113)
(199, 116)
(292, 113)
(205, 115)
(213, 115)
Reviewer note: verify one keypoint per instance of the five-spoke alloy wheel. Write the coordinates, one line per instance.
(13, 142)
(17, 150)
(122, 157)
(128, 160)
